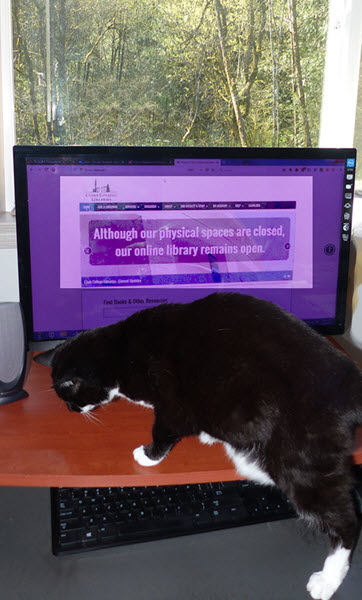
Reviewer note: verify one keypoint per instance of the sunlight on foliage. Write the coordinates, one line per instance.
(169, 72)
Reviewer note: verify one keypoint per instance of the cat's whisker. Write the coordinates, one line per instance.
(92, 418)
(86, 416)
(97, 420)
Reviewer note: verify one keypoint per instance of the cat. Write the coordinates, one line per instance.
(239, 370)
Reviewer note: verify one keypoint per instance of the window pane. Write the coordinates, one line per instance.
(358, 144)
(169, 72)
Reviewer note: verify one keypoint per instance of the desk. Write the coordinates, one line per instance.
(43, 444)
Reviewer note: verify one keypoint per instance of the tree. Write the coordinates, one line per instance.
(221, 27)
(298, 70)
(208, 72)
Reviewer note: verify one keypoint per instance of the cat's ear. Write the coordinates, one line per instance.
(46, 358)
(73, 385)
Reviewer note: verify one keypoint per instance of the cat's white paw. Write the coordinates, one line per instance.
(323, 584)
(320, 588)
(205, 438)
(143, 460)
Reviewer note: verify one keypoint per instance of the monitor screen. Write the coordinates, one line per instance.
(107, 231)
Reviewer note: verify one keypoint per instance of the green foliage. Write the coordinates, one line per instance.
(154, 72)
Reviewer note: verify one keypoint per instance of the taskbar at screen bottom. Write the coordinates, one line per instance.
(186, 279)
(64, 335)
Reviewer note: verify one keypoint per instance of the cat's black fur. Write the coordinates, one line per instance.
(246, 373)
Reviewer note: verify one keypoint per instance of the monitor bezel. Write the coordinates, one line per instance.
(156, 154)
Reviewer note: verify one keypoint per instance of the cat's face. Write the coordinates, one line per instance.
(78, 375)
(79, 394)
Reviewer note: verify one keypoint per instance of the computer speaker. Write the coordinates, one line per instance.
(13, 352)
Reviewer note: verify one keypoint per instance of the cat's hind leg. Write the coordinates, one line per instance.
(323, 584)
(333, 512)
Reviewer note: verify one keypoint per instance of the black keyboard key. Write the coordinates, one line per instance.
(69, 513)
(108, 532)
(67, 538)
(202, 518)
(67, 504)
(67, 524)
(221, 515)
(89, 534)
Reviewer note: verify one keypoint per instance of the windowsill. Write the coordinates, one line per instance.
(7, 231)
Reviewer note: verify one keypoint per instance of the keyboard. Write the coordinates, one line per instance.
(92, 518)
(86, 519)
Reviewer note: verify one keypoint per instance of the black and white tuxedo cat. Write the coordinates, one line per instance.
(234, 369)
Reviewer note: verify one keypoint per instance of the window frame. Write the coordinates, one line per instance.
(7, 112)
(339, 90)
(341, 74)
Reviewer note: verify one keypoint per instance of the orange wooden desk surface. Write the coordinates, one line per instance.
(44, 444)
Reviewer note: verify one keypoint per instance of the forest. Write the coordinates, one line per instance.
(169, 72)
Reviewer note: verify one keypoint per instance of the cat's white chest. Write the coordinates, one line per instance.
(244, 465)
(247, 467)
(112, 393)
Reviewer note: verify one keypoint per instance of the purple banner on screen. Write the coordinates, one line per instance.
(156, 241)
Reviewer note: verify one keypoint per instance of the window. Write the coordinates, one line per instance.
(7, 121)
(171, 72)
(358, 141)
(174, 72)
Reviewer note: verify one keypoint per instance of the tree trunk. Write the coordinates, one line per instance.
(60, 50)
(230, 84)
(275, 57)
(275, 88)
(196, 107)
(252, 53)
(298, 71)
(30, 70)
(122, 51)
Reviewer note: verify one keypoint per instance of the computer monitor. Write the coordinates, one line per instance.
(107, 231)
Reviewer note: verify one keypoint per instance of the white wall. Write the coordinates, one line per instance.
(7, 117)
(341, 73)
(9, 276)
